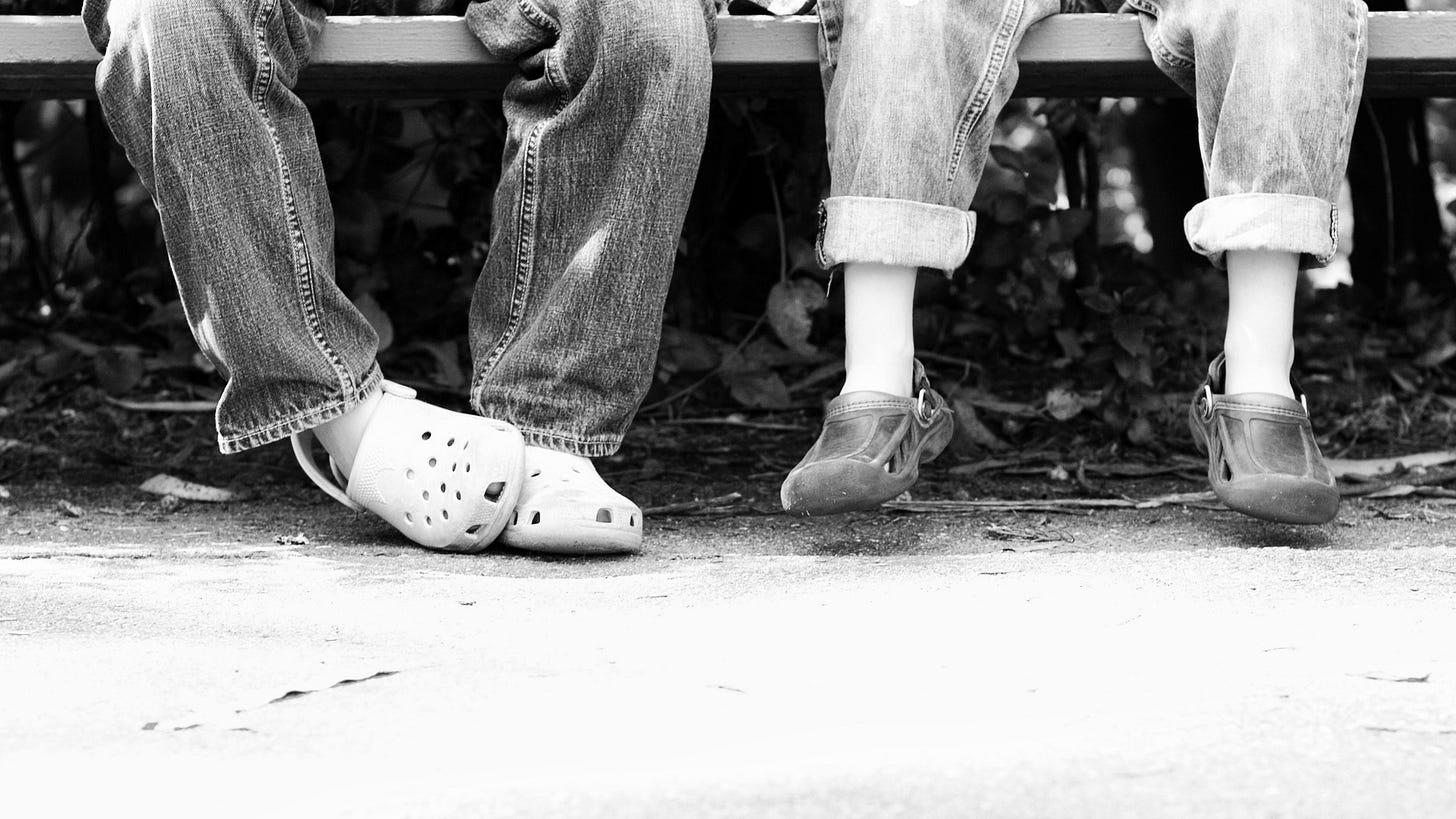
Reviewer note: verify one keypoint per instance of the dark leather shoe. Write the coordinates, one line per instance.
(869, 451)
(1262, 457)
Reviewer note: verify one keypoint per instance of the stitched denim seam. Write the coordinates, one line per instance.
(525, 256)
(981, 94)
(1158, 44)
(587, 447)
(303, 266)
(555, 73)
(539, 18)
(828, 44)
(1353, 79)
(302, 420)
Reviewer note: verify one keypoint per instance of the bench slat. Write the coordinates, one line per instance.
(1411, 54)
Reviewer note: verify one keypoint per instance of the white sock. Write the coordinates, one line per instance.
(342, 435)
(879, 348)
(1259, 340)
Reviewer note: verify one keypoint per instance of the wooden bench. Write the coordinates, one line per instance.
(1411, 55)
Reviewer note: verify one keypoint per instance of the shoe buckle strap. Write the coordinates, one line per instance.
(920, 407)
(1206, 403)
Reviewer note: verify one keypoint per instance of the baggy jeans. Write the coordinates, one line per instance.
(607, 117)
(913, 89)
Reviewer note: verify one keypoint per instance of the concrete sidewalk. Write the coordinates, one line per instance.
(1155, 664)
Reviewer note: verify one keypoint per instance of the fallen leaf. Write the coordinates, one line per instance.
(757, 388)
(118, 369)
(1064, 405)
(1436, 356)
(70, 508)
(791, 307)
(163, 484)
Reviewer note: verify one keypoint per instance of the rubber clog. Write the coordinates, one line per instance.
(446, 480)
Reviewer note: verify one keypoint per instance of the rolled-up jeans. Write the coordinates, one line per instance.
(606, 121)
(914, 87)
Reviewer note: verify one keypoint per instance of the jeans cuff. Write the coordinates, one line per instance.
(1306, 225)
(299, 421)
(896, 232)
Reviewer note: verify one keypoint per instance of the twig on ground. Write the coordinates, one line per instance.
(1363, 470)
(710, 504)
(730, 421)
(163, 406)
(1067, 505)
(1391, 487)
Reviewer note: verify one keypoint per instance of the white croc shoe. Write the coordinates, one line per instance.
(567, 509)
(446, 480)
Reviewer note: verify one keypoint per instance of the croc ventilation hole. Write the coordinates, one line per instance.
(495, 490)
(425, 437)
(535, 518)
(409, 474)
(604, 515)
(472, 530)
(433, 462)
(1228, 472)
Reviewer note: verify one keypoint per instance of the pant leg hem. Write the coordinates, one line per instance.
(897, 232)
(298, 422)
(566, 442)
(1306, 225)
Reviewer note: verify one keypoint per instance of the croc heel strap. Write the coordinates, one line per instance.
(446, 480)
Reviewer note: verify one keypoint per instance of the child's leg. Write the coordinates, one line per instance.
(879, 346)
(1277, 86)
(1259, 340)
(912, 94)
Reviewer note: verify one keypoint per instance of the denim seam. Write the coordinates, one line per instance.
(525, 259)
(828, 45)
(554, 71)
(1157, 43)
(303, 266)
(981, 94)
(537, 17)
(586, 447)
(300, 421)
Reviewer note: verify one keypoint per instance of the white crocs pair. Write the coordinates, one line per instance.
(452, 481)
